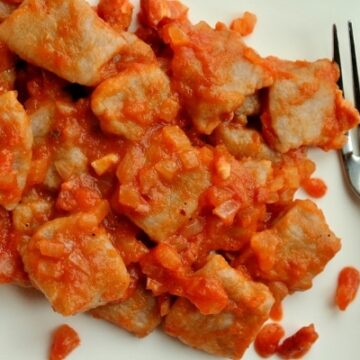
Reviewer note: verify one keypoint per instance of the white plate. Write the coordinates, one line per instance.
(288, 29)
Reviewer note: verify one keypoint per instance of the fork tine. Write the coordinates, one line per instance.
(355, 73)
(348, 147)
(350, 161)
(337, 57)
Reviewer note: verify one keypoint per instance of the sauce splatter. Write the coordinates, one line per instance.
(267, 341)
(347, 288)
(297, 345)
(65, 340)
(315, 187)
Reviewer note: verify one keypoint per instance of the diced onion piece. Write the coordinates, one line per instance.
(130, 165)
(49, 269)
(167, 257)
(77, 259)
(130, 197)
(190, 159)
(175, 138)
(217, 195)
(51, 248)
(164, 304)
(227, 210)
(156, 287)
(105, 164)
(194, 227)
(167, 169)
(223, 168)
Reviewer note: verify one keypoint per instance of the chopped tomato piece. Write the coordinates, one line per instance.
(155, 12)
(124, 237)
(117, 13)
(348, 286)
(244, 25)
(315, 187)
(297, 345)
(267, 341)
(79, 194)
(65, 340)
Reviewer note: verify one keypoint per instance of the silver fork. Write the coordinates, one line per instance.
(351, 161)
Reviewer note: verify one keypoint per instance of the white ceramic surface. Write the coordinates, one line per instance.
(289, 29)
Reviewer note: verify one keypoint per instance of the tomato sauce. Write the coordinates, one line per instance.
(148, 211)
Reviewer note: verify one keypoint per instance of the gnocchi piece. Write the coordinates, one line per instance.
(296, 248)
(128, 103)
(73, 262)
(250, 107)
(67, 140)
(286, 172)
(42, 115)
(138, 314)
(34, 29)
(161, 182)
(34, 210)
(305, 107)
(242, 142)
(167, 273)
(59, 149)
(229, 333)
(6, 9)
(213, 71)
(55, 155)
(11, 266)
(135, 51)
(124, 238)
(7, 67)
(42, 120)
(70, 161)
(15, 149)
